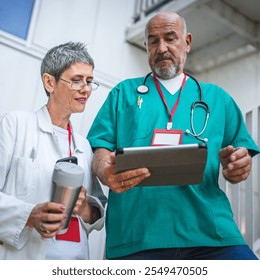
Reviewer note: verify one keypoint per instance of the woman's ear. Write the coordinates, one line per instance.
(48, 82)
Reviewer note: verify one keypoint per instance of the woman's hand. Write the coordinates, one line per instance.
(80, 201)
(47, 218)
(84, 209)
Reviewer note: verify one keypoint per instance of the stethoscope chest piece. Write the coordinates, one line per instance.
(142, 89)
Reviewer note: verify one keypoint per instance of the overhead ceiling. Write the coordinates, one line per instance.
(222, 30)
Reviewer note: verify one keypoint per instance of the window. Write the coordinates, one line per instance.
(15, 16)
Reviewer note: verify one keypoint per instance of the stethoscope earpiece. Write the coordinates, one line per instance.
(205, 140)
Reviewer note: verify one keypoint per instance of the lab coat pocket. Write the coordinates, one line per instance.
(22, 177)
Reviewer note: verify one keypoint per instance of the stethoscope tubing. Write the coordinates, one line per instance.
(143, 89)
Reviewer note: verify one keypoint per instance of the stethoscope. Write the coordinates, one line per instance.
(143, 89)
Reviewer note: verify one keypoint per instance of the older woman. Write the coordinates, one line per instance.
(30, 145)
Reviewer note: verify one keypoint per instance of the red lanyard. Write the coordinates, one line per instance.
(69, 138)
(171, 113)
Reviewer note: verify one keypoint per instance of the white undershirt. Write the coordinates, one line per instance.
(173, 85)
(63, 139)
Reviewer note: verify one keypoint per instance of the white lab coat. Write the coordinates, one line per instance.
(28, 152)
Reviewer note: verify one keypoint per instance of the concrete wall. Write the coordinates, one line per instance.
(240, 79)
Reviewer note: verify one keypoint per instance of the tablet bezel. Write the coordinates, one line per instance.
(182, 164)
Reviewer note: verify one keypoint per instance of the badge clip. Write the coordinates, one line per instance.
(169, 126)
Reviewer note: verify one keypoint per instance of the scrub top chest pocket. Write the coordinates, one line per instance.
(132, 126)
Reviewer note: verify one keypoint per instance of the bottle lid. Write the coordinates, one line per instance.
(68, 174)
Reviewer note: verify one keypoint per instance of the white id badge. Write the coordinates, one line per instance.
(162, 137)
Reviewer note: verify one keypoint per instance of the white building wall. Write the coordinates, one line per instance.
(239, 78)
(101, 24)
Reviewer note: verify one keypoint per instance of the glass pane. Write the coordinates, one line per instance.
(15, 16)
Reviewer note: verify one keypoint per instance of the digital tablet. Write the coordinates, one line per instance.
(169, 165)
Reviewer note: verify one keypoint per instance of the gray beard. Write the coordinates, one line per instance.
(166, 73)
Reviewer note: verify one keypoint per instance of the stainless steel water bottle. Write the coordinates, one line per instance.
(67, 180)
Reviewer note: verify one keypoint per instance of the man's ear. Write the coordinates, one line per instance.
(146, 46)
(188, 42)
(48, 82)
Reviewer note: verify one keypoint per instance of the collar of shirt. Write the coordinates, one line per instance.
(173, 85)
(45, 124)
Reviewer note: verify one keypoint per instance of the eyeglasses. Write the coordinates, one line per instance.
(78, 85)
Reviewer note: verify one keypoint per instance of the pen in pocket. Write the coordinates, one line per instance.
(139, 102)
(32, 156)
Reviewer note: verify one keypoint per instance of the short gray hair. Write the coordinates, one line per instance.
(59, 58)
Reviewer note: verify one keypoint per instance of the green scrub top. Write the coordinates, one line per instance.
(169, 216)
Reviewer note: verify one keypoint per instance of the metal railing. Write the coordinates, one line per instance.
(245, 197)
(144, 7)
